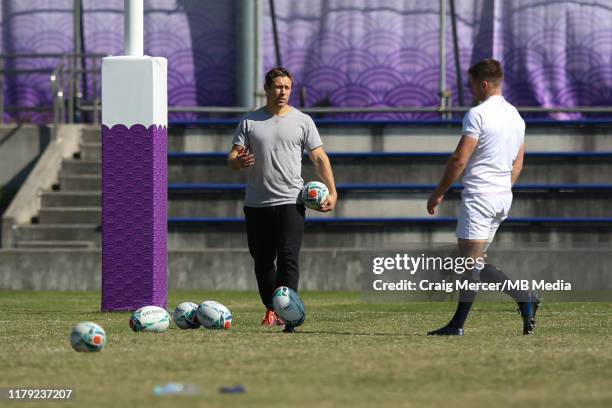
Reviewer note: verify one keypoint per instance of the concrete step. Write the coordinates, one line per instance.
(71, 199)
(81, 183)
(425, 170)
(57, 244)
(91, 151)
(373, 235)
(70, 215)
(59, 232)
(373, 170)
(91, 134)
(384, 170)
(84, 206)
(363, 203)
(368, 235)
(196, 139)
(76, 167)
(389, 137)
(383, 136)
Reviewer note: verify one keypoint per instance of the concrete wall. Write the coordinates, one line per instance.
(20, 147)
(321, 269)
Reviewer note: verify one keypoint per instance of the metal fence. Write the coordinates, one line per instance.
(74, 81)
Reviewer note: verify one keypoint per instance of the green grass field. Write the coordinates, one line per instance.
(348, 353)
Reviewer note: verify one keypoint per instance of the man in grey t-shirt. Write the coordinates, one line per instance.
(269, 144)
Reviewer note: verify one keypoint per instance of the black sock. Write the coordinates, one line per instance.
(491, 274)
(466, 299)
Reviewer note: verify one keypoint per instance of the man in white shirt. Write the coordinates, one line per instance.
(490, 154)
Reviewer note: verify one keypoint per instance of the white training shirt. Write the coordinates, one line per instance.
(500, 131)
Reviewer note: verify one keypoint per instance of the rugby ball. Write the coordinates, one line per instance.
(87, 336)
(185, 316)
(213, 315)
(289, 306)
(150, 319)
(314, 194)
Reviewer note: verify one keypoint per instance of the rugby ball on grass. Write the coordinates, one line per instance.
(289, 306)
(314, 194)
(150, 319)
(87, 336)
(185, 316)
(213, 315)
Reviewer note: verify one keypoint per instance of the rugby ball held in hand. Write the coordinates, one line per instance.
(314, 194)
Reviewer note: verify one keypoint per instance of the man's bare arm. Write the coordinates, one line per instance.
(454, 167)
(517, 165)
(323, 169)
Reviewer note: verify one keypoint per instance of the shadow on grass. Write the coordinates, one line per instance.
(340, 333)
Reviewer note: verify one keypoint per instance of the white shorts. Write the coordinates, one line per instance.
(481, 215)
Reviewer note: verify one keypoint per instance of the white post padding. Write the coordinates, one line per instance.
(134, 91)
(133, 27)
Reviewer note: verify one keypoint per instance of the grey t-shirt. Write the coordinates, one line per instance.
(277, 143)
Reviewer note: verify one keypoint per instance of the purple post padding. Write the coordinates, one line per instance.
(134, 217)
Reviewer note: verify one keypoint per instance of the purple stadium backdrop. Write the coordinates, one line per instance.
(344, 52)
(385, 53)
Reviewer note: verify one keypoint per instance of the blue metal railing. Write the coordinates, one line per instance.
(397, 220)
(391, 155)
(605, 121)
(206, 187)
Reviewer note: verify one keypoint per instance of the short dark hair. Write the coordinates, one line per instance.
(487, 70)
(277, 72)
